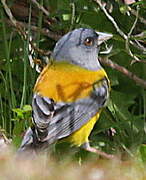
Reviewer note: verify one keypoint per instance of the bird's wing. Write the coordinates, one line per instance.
(58, 120)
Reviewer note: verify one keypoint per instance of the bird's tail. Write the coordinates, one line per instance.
(31, 144)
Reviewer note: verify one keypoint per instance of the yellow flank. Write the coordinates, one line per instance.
(80, 136)
(64, 82)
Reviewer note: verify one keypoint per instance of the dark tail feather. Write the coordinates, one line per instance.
(31, 145)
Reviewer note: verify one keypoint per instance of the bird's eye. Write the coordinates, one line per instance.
(89, 41)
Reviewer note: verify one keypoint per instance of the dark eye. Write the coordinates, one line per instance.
(89, 41)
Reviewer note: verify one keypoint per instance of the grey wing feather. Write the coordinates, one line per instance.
(54, 121)
(42, 110)
(27, 141)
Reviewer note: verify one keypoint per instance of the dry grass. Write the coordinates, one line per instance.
(44, 168)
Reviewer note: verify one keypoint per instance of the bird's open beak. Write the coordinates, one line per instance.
(102, 37)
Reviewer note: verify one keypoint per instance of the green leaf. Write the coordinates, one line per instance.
(19, 113)
(142, 150)
(27, 108)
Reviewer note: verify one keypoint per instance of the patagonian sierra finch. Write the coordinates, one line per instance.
(69, 94)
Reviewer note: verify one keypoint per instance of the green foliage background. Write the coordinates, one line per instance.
(126, 111)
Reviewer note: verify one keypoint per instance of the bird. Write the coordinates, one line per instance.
(69, 93)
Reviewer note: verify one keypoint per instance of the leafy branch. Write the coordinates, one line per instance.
(122, 34)
(124, 71)
(19, 26)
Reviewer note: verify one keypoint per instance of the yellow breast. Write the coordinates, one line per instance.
(64, 82)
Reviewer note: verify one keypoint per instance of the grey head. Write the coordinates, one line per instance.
(80, 47)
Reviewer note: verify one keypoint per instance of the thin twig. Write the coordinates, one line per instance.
(19, 28)
(8, 11)
(124, 71)
(43, 31)
(140, 61)
(129, 35)
(41, 7)
(135, 22)
(116, 26)
(136, 45)
(138, 38)
(140, 45)
(120, 31)
(13, 20)
(111, 19)
(142, 20)
(73, 15)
